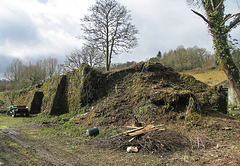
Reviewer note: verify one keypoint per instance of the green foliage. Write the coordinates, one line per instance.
(65, 129)
(78, 86)
(107, 132)
(19, 97)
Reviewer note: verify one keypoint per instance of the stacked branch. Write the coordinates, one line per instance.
(151, 139)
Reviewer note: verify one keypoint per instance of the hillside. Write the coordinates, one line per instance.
(208, 76)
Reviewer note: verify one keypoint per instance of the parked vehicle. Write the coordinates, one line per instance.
(22, 110)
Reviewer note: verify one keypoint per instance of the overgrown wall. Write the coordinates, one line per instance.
(142, 83)
(49, 89)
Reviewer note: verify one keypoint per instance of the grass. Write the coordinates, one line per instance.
(68, 142)
(209, 76)
(12, 153)
(7, 122)
(2, 127)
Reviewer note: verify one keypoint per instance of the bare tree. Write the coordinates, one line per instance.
(74, 60)
(14, 70)
(51, 66)
(61, 69)
(87, 54)
(92, 56)
(3, 86)
(33, 73)
(109, 29)
(21, 75)
(220, 24)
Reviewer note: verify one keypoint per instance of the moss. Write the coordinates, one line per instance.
(191, 83)
(137, 89)
(75, 88)
(19, 97)
(193, 120)
(49, 89)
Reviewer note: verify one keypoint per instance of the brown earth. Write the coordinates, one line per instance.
(215, 142)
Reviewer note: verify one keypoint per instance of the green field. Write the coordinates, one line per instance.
(209, 76)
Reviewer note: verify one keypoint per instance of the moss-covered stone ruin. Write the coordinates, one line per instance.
(145, 91)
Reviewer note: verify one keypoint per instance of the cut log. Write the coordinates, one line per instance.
(141, 130)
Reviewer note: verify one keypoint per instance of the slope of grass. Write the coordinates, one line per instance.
(209, 76)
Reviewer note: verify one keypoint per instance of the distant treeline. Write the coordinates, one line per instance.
(3, 85)
(19, 75)
(186, 59)
(182, 59)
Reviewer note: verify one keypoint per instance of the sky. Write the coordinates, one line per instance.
(36, 29)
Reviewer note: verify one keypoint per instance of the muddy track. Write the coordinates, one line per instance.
(13, 136)
(45, 155)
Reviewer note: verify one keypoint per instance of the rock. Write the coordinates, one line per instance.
(92, 132)
(132, 149)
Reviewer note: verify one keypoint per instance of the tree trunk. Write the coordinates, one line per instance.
(107, 66)
(223, 53)
(233, 78)
(230, 69)
(216, 20)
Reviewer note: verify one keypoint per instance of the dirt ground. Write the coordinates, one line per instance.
(24, 142)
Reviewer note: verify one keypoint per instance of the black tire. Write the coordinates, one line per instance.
(13, 113)
(8, 113)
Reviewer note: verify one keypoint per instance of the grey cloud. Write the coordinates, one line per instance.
(163, 25)
(4, 62)
(17, 27)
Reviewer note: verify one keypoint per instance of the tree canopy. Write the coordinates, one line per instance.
(109, 29)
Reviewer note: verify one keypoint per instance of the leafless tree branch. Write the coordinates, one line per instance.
(200, 16)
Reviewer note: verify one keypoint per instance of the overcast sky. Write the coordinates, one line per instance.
(37, 29)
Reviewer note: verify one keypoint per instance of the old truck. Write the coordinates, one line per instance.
(22, 110)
